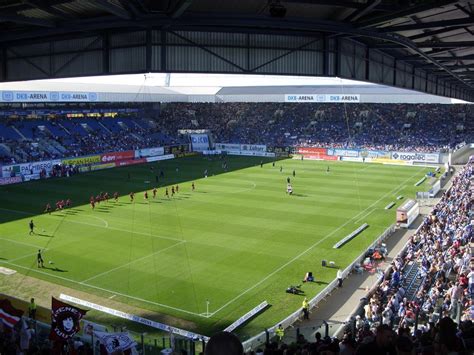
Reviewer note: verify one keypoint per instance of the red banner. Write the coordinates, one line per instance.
(130, 162)
(117, 156)
(321, 157)
(65, 320)
(311, 150)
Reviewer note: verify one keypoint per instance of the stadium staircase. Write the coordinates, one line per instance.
(412, 279)
(18, 132)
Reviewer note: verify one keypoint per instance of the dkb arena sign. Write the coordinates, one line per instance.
(416, 157)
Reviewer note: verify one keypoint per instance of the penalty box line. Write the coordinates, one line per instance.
(106, 290)
(94, 225)
(309, 248)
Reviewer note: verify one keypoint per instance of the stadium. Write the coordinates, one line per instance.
(238, 177)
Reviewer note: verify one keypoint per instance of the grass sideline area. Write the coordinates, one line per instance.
(237, 240)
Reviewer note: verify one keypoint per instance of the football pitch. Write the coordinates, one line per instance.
(206, 256)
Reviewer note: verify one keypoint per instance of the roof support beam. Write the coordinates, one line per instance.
(180, 7)
(427, 45)
(112, 9)
(26, 20)
(435, 32)
(465, 21)
(439, 59)
(357, 14)
(412, 10)
(43, 6)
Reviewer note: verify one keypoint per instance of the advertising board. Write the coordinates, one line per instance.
(130, 162)
(311, 150)
(10, 180)
(416, 157)
(200, 142)
(29, 168)
(92, 159)
(321, 98)
(117, 156)
(343, 152)
(149, 152)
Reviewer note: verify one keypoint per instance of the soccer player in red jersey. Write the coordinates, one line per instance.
(98, 198)
(106, 196)
(92, 202)
(116, 196)
(154, 192)
(48, 208)
(58, 205)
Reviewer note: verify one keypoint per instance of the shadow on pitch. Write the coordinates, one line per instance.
(56, 269)
(45, 235)
(299, 195)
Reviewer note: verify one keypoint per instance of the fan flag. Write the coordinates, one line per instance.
(65, 320)
(9, 315)
(111, 342)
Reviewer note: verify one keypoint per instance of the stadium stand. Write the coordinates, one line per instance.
(401, 127)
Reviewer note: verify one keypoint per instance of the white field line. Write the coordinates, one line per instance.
(22, 243)
(132, 262)
(306, 251)
(104, 289)
(98, 226)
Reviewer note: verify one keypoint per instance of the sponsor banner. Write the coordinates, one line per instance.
(130, 162)
(84, 169)
(227, 146)
(82, 160)
(177, 149)
(134, 318)
(375, 154)
(321, 98)
(343, 152)
(116, 156)
(47, 96)
(212, 152)
(416, 157)
(316, 157)
(29, 168)
(160, 157)
(31, 177)
(200, 142)
(185, 154)
(311, 150)
(254, 147)
(249, 153)
(246, 317)
(390, 161)
(359, 159)
(149, 152)
(10, 180)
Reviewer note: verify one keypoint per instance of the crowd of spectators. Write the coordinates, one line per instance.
(404, 127)
(390, 127)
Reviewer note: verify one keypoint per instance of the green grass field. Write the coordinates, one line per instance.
(236, 241)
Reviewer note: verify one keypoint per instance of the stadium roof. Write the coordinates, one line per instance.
(433, 36)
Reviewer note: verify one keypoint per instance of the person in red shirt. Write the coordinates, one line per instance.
(58, 205)
(92, 202)
(154, 192)
(106, 196)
